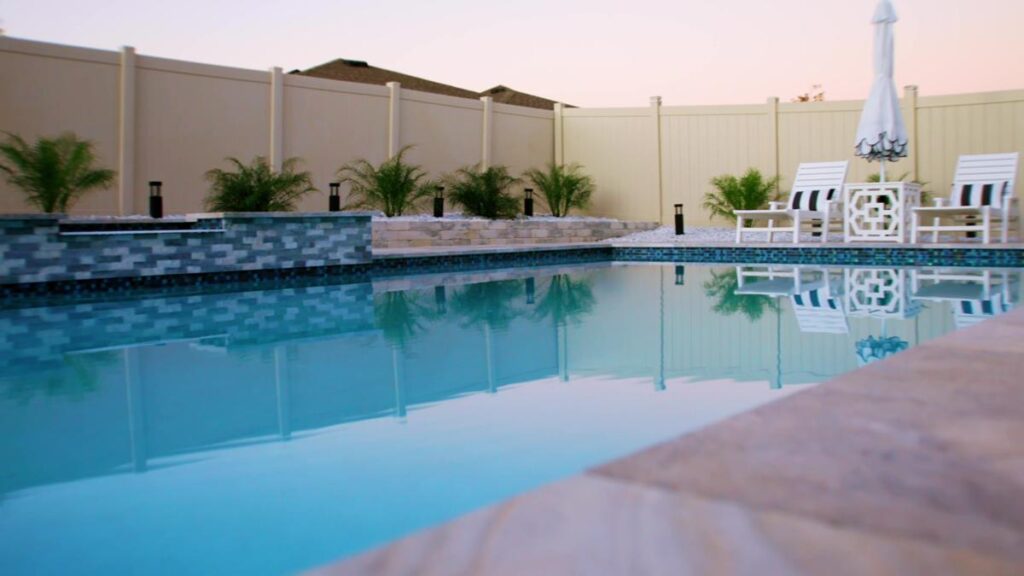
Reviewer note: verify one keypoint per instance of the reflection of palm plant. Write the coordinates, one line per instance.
(723, 287)
(257, 187)
(488, 304)
(79, 377)
(398, 315)
(564, 187)
(484, 192)
(52, 172)
(566, 299)
(393, 186)
(748, 192)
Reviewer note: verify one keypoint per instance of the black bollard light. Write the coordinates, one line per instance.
(334, 200)
(156, 201)
(679, 220)
(528, 202)
(531, 290)
(440, 299)
(680, 275)
(439, 202)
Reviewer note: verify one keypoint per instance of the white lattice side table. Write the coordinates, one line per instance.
(878, 211)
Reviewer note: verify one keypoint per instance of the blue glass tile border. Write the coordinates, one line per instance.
(829, 256)
(20, 295)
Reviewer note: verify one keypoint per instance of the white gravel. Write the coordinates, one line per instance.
(711, 235)
(380, 217)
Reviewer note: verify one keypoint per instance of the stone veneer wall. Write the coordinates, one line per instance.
(34, 249)
(399, 233)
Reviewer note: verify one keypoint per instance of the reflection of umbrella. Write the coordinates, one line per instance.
(881, 134)
(872, 349)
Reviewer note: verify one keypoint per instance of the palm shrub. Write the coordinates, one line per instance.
(256, 187)
(751, 191)
(394, 187)
(484, 191)
(563, 187)
(52, 172)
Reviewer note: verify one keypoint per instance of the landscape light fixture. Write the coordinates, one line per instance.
(528, 202)
(156, 201)
(531, 290)
(680, 275)
(334, 201)
(679, 220)
(439, 202)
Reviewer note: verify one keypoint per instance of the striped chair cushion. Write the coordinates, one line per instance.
(977, 194)
(812, 200)
(815, 300)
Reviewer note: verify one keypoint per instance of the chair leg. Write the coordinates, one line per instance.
(771, 232)
(1004, 236)
(796, 227)
(935, 230)
(739, 230)
(986, 222)
(913, 228)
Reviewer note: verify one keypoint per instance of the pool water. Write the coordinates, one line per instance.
(267, 432)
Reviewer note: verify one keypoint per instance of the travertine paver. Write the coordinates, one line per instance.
(913, 465)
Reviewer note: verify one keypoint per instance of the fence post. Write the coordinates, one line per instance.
(910, 113)
(394, 110)
(488, 132)
(276, 117)
(656, 117)
(126, 134)
(559, 150)
(773, 135)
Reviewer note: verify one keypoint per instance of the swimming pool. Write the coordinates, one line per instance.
(271, 431)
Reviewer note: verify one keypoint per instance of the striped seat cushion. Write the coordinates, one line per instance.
(977, 194)
(812, 200)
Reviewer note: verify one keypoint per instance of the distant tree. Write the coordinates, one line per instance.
(815, 94)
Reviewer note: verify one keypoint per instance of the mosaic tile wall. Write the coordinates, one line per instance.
(42, 336)
(34, 249)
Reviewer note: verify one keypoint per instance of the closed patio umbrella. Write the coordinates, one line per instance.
(881, 134)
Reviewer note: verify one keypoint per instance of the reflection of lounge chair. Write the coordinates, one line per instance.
(820, 311)
(973, 295)
(773, 281)
(816, 195)
(816, 303)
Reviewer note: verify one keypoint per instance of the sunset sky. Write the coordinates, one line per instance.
(584, 52)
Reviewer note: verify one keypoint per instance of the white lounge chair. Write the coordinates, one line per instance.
(816, 194)
(982, 196)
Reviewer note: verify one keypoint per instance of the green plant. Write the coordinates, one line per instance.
(394, 186)
(484, 192)
(564, 187)
(53, 172)
(398, 315)
(722, 287)
(257, 187)
(751, 191)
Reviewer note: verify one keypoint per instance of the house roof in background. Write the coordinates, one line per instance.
(361, 71)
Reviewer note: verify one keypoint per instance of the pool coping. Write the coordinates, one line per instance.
(908, 465)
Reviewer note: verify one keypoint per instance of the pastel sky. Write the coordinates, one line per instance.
(584, 52)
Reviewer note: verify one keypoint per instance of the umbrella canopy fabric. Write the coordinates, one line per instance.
(881, 134)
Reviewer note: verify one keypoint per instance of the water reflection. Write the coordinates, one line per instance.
(521, 365)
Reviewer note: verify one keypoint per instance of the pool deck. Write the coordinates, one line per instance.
(912, 465)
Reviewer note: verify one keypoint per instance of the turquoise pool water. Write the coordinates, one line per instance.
(267, 432)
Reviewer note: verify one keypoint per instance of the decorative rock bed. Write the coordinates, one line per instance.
(414, 232)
